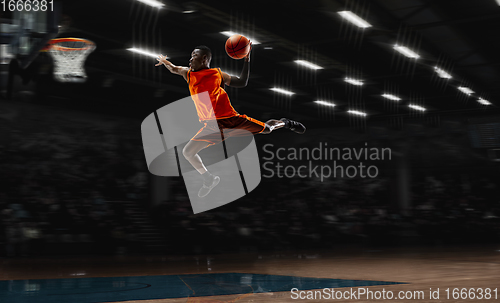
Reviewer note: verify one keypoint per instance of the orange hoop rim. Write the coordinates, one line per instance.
(53, 44)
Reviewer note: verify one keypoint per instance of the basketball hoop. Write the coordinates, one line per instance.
(69, 55)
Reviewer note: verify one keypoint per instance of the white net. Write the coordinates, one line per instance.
(69, 55)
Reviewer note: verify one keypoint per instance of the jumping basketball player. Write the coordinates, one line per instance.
(201, 78)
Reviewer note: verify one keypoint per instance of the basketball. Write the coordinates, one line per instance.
(237, 46)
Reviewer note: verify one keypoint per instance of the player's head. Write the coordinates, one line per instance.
(200, 58)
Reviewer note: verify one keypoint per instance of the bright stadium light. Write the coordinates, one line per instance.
(324, 103)
(228, 33)
(498, 2)
(354, 19)
(308, 64)
(441, 73)
(144, 52)
(406, 51)
(282, 91)
(152, 3)
(391, 97)
(420, 108)
(231, 33)
(465, 90)
(353, 81)
(482, 101)
(357, 113)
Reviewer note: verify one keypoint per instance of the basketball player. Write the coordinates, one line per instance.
(201, 78)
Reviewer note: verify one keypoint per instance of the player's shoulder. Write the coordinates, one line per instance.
(219, 70)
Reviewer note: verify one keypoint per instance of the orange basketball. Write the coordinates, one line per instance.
(237, 46)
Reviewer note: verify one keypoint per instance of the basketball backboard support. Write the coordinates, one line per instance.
(30, 31)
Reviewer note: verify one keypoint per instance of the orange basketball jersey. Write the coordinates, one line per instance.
(210, 80)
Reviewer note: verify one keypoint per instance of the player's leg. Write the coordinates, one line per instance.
(273, 124)
(190, 152)
(258, 127)
(284, 123)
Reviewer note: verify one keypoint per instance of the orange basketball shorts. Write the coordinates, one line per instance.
(240, 125)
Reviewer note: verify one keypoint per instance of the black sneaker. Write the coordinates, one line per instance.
(295, 126)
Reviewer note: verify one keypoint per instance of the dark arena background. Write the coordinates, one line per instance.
(391, 195)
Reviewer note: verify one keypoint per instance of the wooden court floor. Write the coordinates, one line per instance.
(423, 270)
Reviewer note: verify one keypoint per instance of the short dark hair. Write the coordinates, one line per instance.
(204, 50)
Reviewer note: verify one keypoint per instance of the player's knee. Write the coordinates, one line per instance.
(266, 130)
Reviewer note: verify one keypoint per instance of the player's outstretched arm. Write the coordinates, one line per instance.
(174, 69)
(242, 80)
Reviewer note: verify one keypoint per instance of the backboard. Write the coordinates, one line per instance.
(27, 31)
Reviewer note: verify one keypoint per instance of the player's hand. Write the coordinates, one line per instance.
(247, 57)
(162, 60)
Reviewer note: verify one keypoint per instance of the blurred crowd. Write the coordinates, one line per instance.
(61, 172)
(68, 179)
(306, 214)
